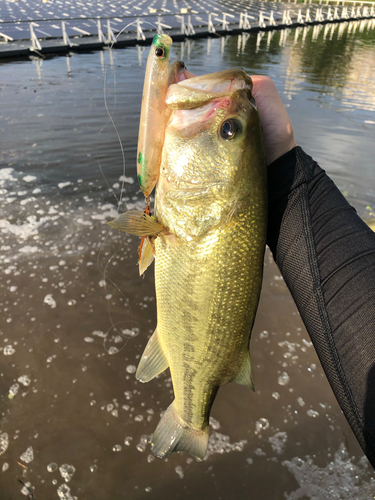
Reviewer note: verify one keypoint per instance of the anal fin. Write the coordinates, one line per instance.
(244, 373)
(153, 360)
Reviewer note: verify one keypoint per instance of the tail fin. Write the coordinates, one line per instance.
(172, 434)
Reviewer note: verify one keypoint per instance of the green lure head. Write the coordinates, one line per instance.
(161, 45)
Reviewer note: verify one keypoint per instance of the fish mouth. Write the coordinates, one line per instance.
(185, 75)
(227, 81)
(198, 91)
(178, 72)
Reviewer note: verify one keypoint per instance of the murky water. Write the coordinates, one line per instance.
(75, 316)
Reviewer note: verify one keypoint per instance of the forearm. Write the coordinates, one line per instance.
(326, 255)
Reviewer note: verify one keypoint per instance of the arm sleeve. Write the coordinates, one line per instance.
(326, 255)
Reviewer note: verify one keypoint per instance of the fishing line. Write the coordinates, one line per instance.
(104, 272)
(125, 337)
(106, 279)
(111, 119)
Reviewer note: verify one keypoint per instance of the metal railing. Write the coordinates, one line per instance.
(314, 13)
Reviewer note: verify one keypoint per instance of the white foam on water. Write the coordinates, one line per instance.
(48, 299)
(261, 425)
(8, 350)
(312, 413)
(283, 379)
(13, 390)
(26, 489)
(110, 213)
(28, 249)
(179, 471)
(341, 479)
(6, 175)
(112, 350)
(67, 471)
(99, 333)
(29, 178)
(61, 185)
(129, 180)
(278, 442)
(4, 442)
(27, 200)
(28, 228)
(64, 492)
(219, 443)
(84, 222)
(215, 424)
(28, 455)
(143, 442)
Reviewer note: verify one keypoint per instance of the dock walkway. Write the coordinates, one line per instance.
(63, 26)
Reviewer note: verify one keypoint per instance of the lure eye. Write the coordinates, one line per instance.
(229, 129)
(159, 52)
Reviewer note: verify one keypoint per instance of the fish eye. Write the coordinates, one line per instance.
(229, 129)
(159, 52)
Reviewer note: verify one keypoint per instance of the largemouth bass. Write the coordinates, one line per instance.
(208, 235)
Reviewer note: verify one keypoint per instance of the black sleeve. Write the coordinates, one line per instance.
(326, 255)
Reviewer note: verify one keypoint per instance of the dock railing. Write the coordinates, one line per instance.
(186, 23)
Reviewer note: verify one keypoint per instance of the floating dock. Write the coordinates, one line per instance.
(57, 26)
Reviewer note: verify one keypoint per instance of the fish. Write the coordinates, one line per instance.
(154, 113)
(208, 235)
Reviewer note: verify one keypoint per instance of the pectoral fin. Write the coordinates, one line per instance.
(153, 360)
(137, 222)
(244, 374)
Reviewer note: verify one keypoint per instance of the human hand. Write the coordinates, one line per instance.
(278, 137)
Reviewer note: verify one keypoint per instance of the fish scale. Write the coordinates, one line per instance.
(206, 273)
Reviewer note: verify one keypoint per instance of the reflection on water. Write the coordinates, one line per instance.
(76, 317)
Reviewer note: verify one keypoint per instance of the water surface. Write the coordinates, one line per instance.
(75, 317)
